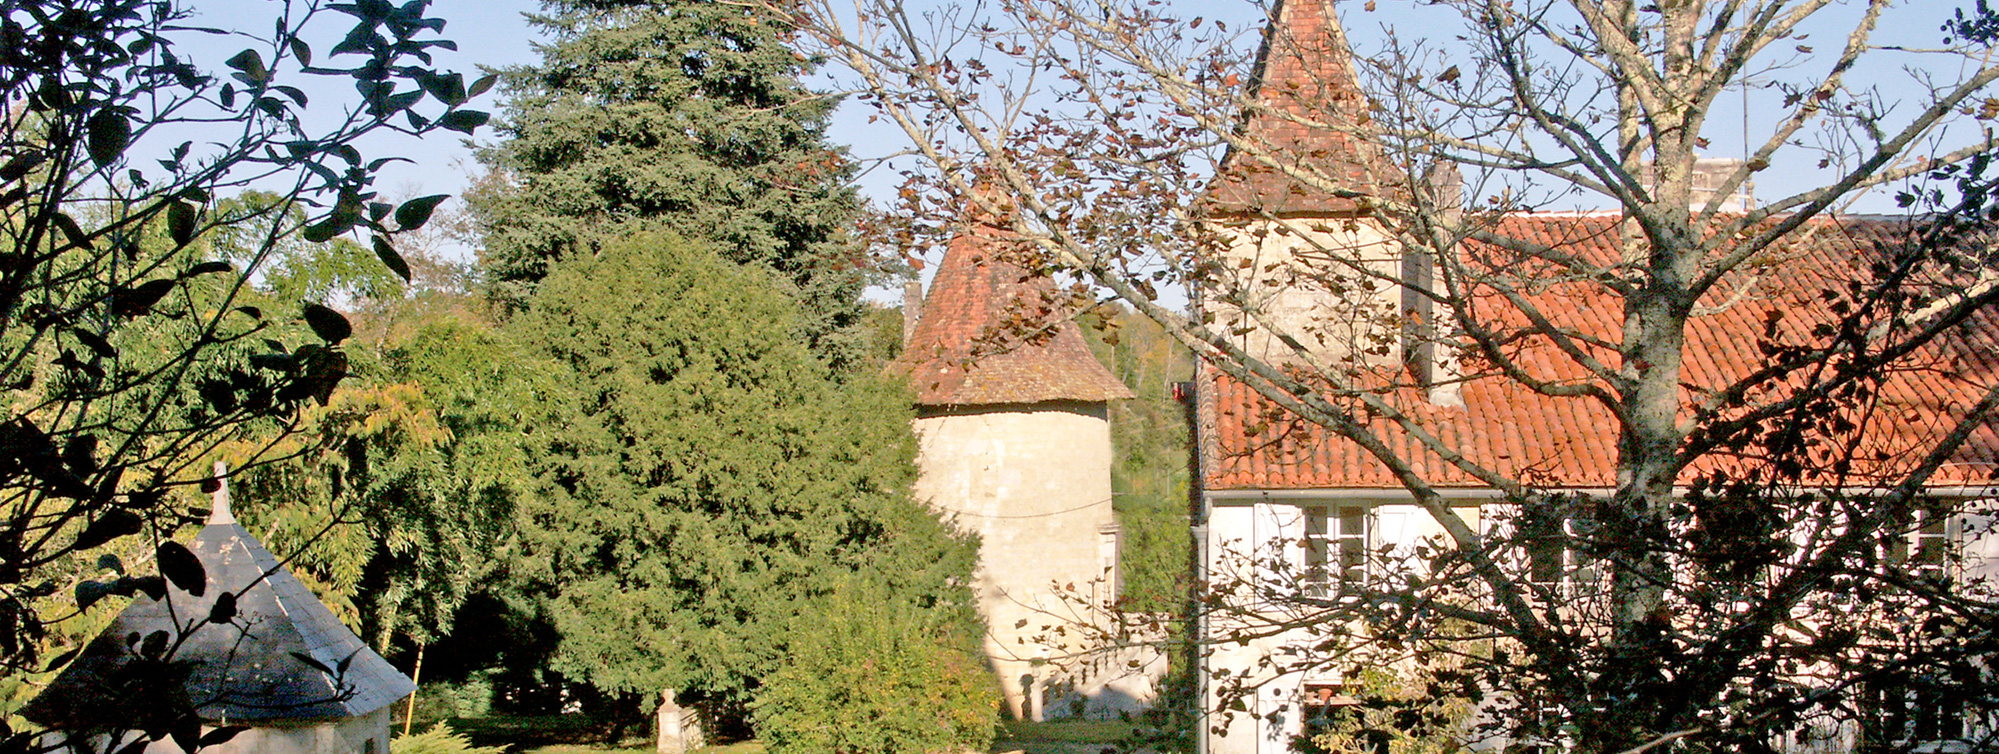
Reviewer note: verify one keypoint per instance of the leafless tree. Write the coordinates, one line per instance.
(1362, 255)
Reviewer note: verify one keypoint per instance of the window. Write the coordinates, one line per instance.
(1108, 584)
(1899, 717)
(1925, 546)
(1550, 540)
(1335, 547)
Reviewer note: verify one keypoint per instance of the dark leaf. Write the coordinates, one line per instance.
(113, 524)
(328, 324)
(89, 592)
(72, 231)
(135, 301)
(81, 453)
(325, 230)
(96, 344)
(221, 735)
(251, 64)
(300, 50)
(154, 646)
(108, 132)
(415, 212)
(483, 84)
(463, 121)
(180, 223)
(181, 567)
(391, 259)
(219, 395)
(224, 609)
(209, 267)
(20, 165)
(186, 732)
(154, 586)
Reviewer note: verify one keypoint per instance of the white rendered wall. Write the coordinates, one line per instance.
(1243, 536)
(367, 734)
(1035, 484)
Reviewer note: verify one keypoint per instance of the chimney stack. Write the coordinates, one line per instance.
(912, 309)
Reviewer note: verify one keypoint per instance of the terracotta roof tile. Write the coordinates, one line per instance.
(992, 334)
(1312, 111)
(1573, 442)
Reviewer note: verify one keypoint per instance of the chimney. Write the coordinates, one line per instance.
(912, 309)
(1444, 188)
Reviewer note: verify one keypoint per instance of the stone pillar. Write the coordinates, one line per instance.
(679, 728)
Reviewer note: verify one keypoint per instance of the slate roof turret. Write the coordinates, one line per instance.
(248, 671)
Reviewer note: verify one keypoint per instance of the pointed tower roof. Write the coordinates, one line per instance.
(1310, 111)
(993, 334)
(250, 670)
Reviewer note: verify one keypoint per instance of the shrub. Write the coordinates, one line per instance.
(875, 675)
(441, 739)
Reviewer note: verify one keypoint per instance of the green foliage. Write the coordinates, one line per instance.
(1149, 436)
(1396, 711)
(870, 673)
(440, 739)
(701, 476)
(471, 698)
(391, 495)
(131, 345)
(688, 115)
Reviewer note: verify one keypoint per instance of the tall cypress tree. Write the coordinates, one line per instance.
(683, 115)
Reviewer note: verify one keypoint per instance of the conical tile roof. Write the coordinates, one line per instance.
(1310, 111)
(993, 334)
(248, 671)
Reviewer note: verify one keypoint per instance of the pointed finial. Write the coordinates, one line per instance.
(220, 514)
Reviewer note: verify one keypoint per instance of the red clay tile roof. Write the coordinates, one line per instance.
(1304, 75)
(1571, 443)
(991, 334)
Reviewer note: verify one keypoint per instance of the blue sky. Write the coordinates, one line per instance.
(494, 33)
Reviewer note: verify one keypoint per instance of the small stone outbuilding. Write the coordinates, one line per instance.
(252, 671)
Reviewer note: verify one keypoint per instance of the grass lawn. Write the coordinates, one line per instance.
(1060, 736)
(575, 734)
(565, 734)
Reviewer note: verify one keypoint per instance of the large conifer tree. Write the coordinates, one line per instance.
(702, 480)
(684, 115)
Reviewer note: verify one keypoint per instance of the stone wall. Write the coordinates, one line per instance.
(1034, 483)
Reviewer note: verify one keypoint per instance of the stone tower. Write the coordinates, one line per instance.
(1015, 445)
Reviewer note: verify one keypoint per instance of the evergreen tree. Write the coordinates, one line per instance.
(686, 115)
(703, 479)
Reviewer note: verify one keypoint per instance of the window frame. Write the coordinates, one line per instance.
(1346, 528)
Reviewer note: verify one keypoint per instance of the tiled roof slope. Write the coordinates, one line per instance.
(1571, 443)
(1312, 111)
(991, 334)
(244, 672)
